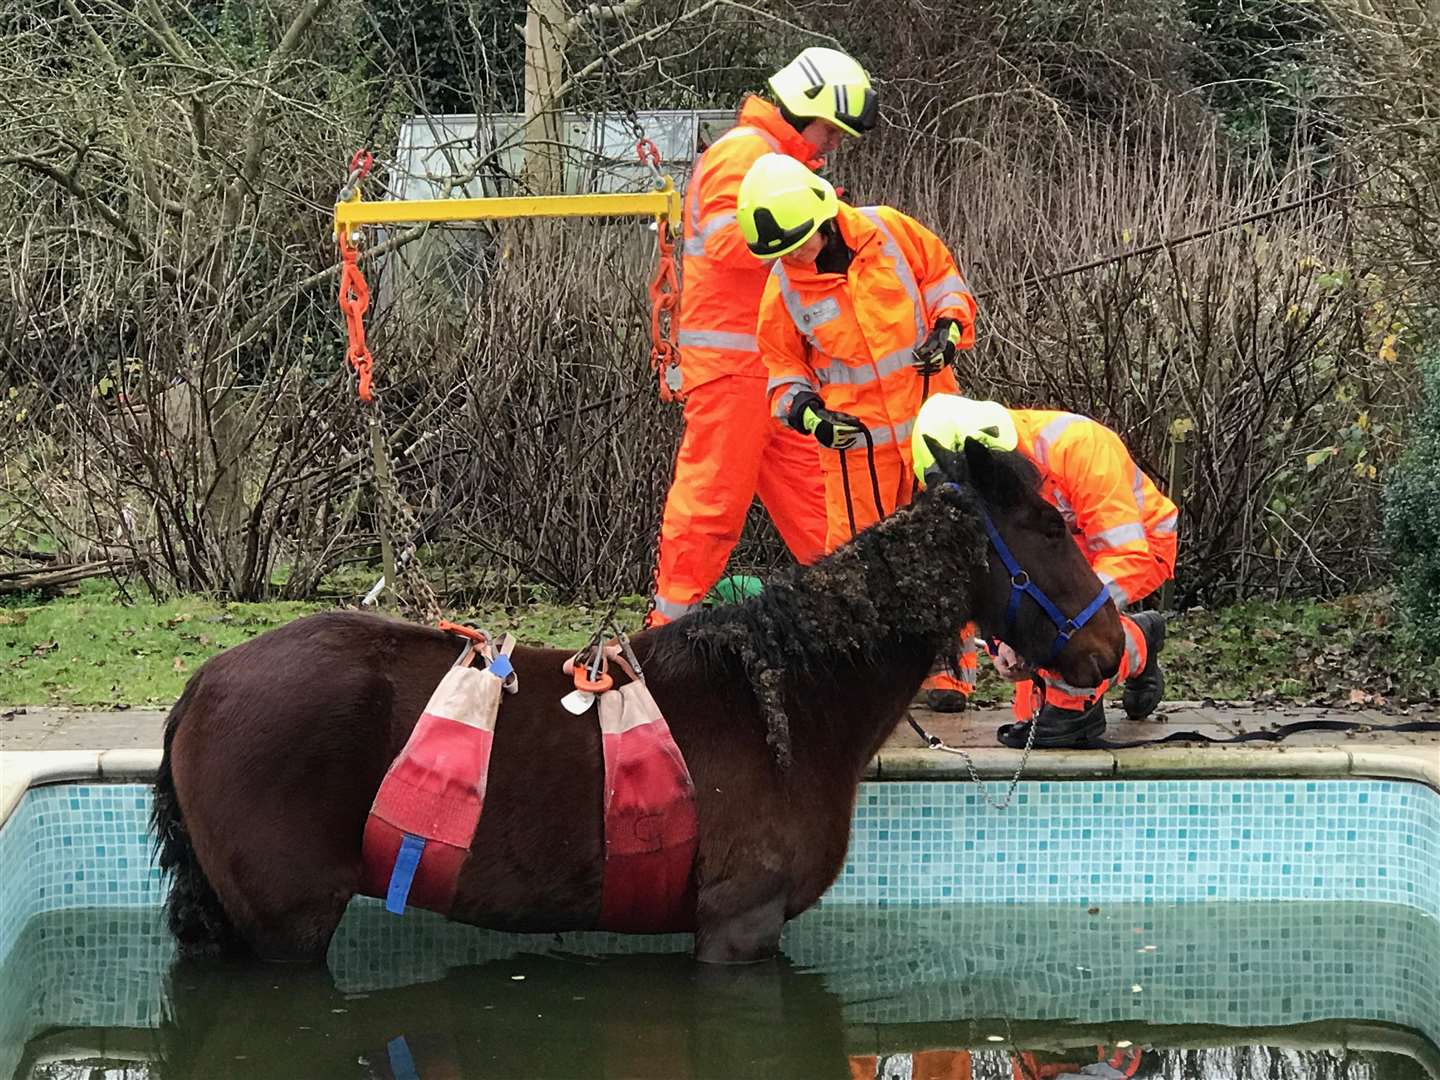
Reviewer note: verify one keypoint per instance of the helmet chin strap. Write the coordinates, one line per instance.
(799, 123)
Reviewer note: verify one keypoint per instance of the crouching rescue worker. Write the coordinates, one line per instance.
(1122, 522)
(861, 317)
(730, 451)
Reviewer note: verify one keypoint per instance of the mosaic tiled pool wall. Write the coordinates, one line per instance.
(920, 844)
(1042, 910)
(1164, 840)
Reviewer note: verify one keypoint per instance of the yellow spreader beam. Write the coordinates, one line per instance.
(664, 203)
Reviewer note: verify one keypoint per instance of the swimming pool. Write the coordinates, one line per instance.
(1190, 914)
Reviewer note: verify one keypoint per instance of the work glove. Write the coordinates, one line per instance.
(938, 349)
(832, 430)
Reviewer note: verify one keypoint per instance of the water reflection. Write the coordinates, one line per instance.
(899, 995)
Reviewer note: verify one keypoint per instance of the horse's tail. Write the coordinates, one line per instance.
(193, 910)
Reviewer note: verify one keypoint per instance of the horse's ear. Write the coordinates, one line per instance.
(984, 473)
(950, 464)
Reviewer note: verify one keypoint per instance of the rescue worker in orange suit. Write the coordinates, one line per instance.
(730, 452)
(1126, 527)
(862, 315)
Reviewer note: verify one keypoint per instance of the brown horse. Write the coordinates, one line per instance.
(275, 751)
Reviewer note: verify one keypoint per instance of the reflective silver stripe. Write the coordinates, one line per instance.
(1117, 594)
(883, 437)
(952, 299)
(953, 283)
(785, 380)
(902, 271)
(1050, 433)
(718, 339)
(786, 401)
(1132, 647)
(672, 610)
(839, 373)
(793, 303)
(1169, 524)
(695, 244)
(1115, 536)
(1138, 486)
(1064, 507)
(1065, 688)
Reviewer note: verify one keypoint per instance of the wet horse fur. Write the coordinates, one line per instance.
(277, 747)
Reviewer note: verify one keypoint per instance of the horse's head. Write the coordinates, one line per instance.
(1046, 569)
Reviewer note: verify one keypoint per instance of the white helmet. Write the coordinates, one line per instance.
(825, 84)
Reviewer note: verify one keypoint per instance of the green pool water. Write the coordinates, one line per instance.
(1265, 990)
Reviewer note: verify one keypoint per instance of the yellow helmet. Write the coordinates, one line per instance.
(781, 204)
(825, 84)
(950, 419)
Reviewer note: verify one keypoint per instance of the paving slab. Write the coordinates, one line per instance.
(37, 727)
(1219, 721)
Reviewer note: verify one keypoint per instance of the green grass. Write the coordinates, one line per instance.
(1352, 650)
(90, 649)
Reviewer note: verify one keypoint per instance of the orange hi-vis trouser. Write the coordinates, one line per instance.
(731, 451)
(896, 480)
(1063, 696)
(917, 1065)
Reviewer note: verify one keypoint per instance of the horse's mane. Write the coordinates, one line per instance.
(909, 577)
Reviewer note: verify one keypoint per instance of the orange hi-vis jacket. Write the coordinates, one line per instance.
(851, 337)
(1122, 522)
(723, 281)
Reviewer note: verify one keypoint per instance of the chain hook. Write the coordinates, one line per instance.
(360, 165)
(649, 155)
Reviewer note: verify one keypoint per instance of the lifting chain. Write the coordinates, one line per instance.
(394, 516)
(665, 282)
(354, 292)
(664, 292)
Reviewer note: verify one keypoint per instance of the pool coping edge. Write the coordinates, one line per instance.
(21, 770)
(1419, 764)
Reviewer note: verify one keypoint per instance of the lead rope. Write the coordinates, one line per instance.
(934, 742)
(874, 481)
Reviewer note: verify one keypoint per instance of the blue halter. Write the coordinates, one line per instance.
(1021, 585)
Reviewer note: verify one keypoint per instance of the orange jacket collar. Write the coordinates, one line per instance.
(756, 112)
(856, 230)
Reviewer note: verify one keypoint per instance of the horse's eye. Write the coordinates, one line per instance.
(1052, 525)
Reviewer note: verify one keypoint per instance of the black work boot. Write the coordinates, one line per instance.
(942, 690)
(1057, 728)
(951, 701)
(1146, 689)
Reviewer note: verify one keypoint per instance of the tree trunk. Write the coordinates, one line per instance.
(546, 38)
